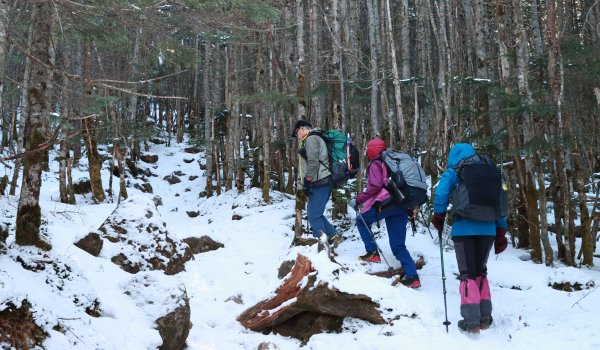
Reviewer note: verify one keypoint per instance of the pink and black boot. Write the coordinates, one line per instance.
(485, 305)
(469, 306)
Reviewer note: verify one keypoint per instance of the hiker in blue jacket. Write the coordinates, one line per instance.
(315, 180)
(473, 241)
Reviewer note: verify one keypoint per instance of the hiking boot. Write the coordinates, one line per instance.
(411, 282)
(485, 325)
(335, 240)
(371, 257)
(463, 327)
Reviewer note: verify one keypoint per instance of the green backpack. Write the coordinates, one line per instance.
(344, 158)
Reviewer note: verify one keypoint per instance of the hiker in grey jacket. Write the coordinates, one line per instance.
(316, 179)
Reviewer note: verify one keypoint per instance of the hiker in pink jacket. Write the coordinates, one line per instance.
(372, 211)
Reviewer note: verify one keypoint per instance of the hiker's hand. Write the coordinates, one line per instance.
(353, 204)
(306, 186)
(438, 221)
(500, 243)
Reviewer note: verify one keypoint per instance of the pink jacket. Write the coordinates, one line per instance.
(375, 191)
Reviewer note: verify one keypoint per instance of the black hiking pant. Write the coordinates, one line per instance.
(475, 296)
(472, 253)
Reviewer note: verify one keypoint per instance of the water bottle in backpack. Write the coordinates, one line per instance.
(406, 179)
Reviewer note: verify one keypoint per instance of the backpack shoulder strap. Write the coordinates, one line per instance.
(321, 133)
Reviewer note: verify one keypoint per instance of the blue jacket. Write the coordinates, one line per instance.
(445, 187)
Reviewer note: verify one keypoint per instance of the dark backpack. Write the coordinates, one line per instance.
(344, 158)
(406, 179)
(479, 194)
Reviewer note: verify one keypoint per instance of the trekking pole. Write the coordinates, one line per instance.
(423, 216)
(374, 241)
(446, 323)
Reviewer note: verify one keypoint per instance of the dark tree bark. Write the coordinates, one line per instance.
(29, 214)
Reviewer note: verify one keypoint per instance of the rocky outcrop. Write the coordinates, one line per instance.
(149, 158)
(137, 239)
(18, 328)
(82, 186)
(144, 187)
(192, 150)
(91, 243)
(166, 302)
(202, 244)
(172, 179)
(174, 327)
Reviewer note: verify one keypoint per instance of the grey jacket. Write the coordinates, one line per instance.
(316, 163)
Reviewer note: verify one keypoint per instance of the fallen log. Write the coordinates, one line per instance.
(302, 308)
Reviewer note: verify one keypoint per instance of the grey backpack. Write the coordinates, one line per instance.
(406, 179)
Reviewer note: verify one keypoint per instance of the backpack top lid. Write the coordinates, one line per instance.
(459, 152)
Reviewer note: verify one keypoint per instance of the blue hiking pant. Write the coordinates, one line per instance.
(317, 201)
(395, 221)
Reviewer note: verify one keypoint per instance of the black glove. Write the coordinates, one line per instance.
(306, 187)
(353, 205)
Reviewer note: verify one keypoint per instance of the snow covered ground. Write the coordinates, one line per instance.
(528, 314)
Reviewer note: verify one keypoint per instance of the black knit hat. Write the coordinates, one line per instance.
(300, 123)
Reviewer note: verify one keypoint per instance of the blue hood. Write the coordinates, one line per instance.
(459, 152)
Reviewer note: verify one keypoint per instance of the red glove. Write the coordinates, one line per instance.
(500, 243)
(438, 221)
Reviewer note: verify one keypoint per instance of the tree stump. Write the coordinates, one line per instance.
(312, 308)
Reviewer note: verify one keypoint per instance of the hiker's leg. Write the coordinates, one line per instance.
(369, 218)
(395, 221)
(465, 249)
(329, 229)
(483, 246)
(316, 209)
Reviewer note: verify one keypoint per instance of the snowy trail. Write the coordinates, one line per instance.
(221, 284)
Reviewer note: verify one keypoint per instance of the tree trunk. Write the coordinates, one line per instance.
(373, 71)
(396, 76)
(587, 241)
(230, 87)
(90, 129)
(208, 118)
(556, 88)
(315, 64)
(529, 190)
(548, 251)
(65, 153)
(133, 99)
(536, 32)
(405, 47)
(4, 23)
(23, 121)
(29, 216)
